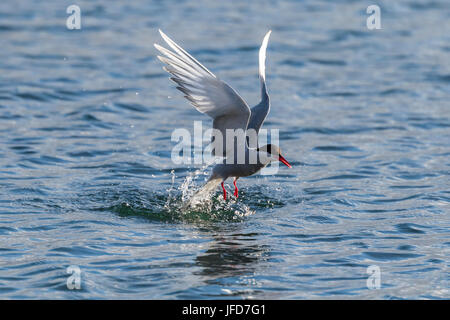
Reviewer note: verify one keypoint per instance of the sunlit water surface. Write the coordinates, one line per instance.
(86, 176)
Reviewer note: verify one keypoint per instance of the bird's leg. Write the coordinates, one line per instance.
(224, 192)
(235, 188)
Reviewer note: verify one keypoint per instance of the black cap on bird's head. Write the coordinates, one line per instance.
(274, 152)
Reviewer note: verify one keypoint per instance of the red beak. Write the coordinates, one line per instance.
(284, 161)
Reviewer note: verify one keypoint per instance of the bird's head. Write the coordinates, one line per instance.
(272, 153)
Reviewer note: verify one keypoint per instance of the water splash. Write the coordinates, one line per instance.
(211, 207)
(170, 189)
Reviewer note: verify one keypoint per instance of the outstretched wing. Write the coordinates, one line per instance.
(206, 92)
(260, 111)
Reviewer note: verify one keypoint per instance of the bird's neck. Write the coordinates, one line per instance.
(261, 157)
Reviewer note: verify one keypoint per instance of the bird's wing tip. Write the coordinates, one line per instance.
(266, 37)
(163, 35)
(262, 56)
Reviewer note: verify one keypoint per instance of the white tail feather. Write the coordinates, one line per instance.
(204, 193)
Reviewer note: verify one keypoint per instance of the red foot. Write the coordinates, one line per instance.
(235, 189)
(224, 192)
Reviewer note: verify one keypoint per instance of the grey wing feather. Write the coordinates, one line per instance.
(260, 111)
(207, 93)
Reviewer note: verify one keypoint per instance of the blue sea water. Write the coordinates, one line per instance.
(86, 177)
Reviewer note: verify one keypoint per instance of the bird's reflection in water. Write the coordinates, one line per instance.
(231, 254)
